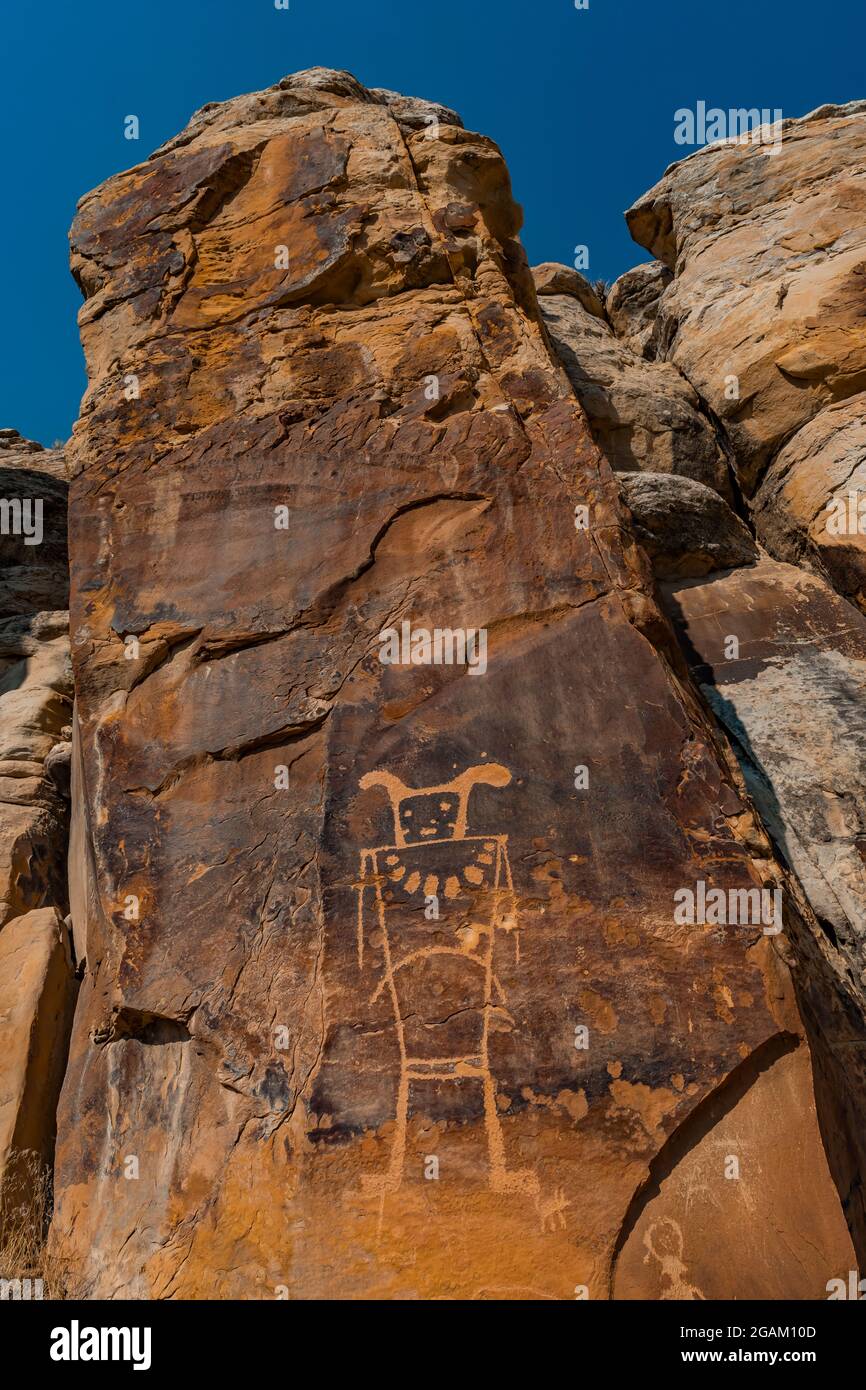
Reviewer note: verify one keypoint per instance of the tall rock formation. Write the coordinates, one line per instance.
(759, 305)
(764, 318)
(35, 678)
(37, 984)
(754, 304)
(781, 660)
(392, 770)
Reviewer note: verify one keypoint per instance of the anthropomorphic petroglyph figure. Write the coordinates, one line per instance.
(552, 1209)
(667, 1234)
(438, 896)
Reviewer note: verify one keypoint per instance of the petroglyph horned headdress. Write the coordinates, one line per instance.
(456, 791)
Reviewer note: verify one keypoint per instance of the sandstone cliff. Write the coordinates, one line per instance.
(755, 305)
(643, 413)
(764, 318)
(37, 984)
(385, 995)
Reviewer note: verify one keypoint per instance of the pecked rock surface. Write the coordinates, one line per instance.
(759, 287)
(381, 997)
(759, 1118)
(790, 696)
(764, 317)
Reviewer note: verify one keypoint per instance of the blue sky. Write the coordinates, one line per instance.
(581, 102)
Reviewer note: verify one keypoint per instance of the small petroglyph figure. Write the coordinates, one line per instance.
(667, 1234)
(439, 971)
(551, 1211)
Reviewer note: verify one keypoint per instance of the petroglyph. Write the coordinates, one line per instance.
(439, 970)
(668, 1233)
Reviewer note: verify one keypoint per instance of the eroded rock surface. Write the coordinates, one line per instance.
(790, 694)
(35, 677)
(383, 998)
(685, 528)
(551, 278)
(811, 506)
(37, 998)
(643, 414)
(764, 317)
(37, 984)
(687, 1230)
(781, 660)
(632, 305)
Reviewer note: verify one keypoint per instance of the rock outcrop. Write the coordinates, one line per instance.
(37, 986)
(781, 661)
(759, 1119)
(37, 998)
(764, 317)
(35, 677)
(554, 279)
(811, 506)
(757, 300)
(685, 528)
(789, 689)
(385, 991)
(643, 414)
(632, 305)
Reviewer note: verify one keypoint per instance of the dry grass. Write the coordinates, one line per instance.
(26, 1206)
